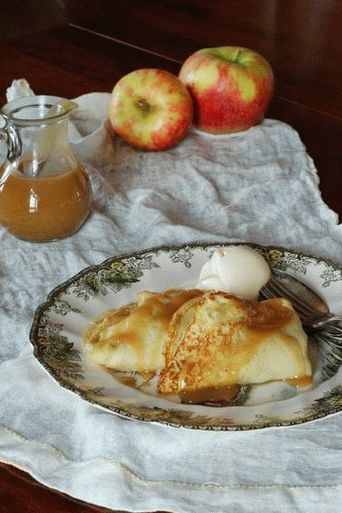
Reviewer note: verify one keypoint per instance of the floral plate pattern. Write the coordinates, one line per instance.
(59, 322)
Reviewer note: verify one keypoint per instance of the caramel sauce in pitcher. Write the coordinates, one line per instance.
(46, 208)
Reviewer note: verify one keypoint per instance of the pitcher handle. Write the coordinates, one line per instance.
(10, 134)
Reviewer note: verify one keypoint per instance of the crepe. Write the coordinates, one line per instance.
(217, 340)
(132, 337)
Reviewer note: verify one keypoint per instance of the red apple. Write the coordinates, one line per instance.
(150, 109)
(231, 88)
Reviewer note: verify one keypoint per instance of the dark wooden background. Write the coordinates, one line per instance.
(73, 47)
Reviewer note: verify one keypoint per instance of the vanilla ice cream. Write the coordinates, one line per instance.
(238, 270)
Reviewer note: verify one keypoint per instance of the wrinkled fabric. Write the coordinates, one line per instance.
(257, 186)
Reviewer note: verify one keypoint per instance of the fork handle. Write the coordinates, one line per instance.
(321, 321)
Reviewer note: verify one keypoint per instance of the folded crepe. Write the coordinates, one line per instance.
(217, 340)
(132, 338)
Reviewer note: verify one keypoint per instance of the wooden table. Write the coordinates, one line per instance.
(100, 41)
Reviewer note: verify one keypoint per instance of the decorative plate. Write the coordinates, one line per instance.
(59, 322)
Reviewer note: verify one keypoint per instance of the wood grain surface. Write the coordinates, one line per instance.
(298, 37)
(103, 40)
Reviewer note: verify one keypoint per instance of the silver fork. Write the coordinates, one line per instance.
(324, 326)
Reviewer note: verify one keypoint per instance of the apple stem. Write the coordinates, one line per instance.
(236, 57)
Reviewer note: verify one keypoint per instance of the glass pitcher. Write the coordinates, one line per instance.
(45, 193)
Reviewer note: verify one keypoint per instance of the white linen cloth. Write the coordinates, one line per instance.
(259, 186)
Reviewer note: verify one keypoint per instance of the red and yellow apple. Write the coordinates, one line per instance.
(150, 109)
(231, 88)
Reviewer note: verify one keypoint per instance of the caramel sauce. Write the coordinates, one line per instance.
(45, 208)
(150, 319)
(300, 381)
(211, 396)
(126, 379)
(267, 315)
(129, 379)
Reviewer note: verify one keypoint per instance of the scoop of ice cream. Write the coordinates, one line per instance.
(238, 270)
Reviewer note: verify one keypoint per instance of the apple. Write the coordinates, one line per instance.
(150, 109)
(231, 88)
